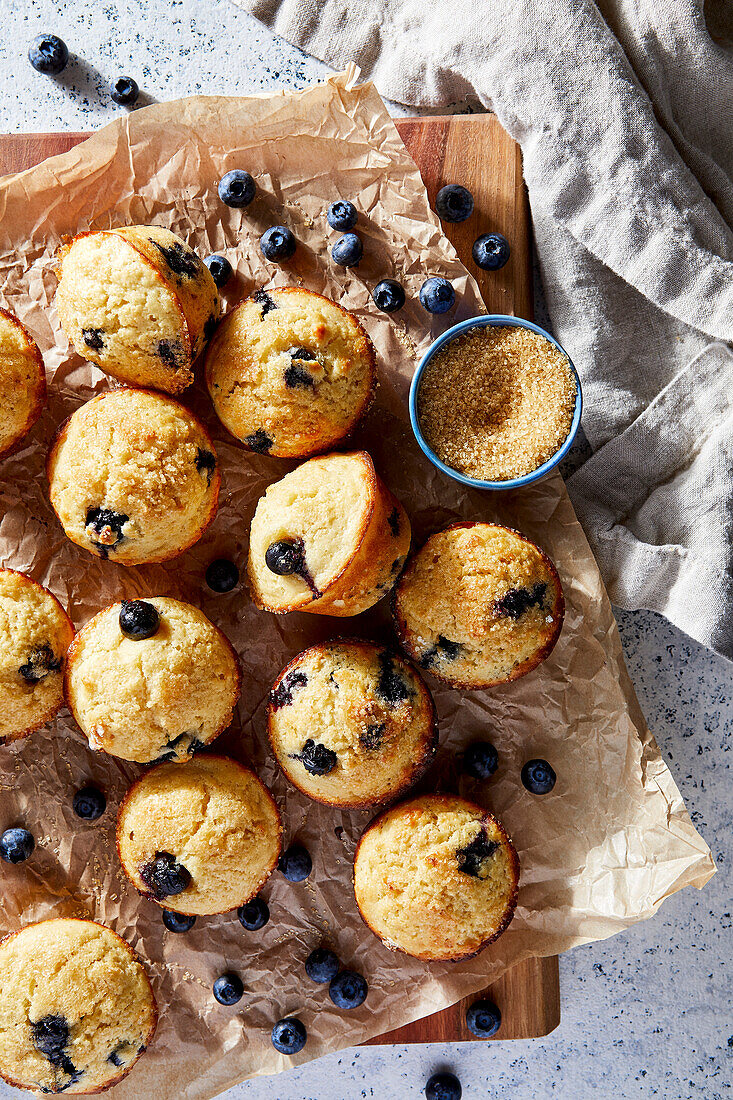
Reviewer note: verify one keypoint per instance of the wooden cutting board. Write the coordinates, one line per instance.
(475, 151)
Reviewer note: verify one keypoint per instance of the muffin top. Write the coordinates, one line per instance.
(436, 877)
(35, 633)
(199, 838)
(134, 477)
(479, 604)
(22, 381)
(290, 372)
(151, 696)
(351, 723)
(76, 1007)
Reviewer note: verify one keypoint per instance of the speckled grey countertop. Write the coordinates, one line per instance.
(647, 1013)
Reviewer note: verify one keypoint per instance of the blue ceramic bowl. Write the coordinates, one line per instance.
(495, 319)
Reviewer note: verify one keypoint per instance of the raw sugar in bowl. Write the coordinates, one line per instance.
(495, 402)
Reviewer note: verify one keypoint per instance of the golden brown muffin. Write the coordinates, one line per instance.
(22, 381)
(436, 877)
(478, 605)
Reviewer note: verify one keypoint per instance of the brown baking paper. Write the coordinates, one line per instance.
(610, 843)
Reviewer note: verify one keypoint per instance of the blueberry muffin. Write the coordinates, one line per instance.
(351, 723)
(76, 1007)
(35, 633)
(138, 302)
(328, 538)
(436, 877)
(478, 605)
(151, 680)
(199, 838)
(290, 372)
(134, 477)
(22, 381)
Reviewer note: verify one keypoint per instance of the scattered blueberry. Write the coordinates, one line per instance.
(321, 965)
(348, 989)
(48, 54)
(289, 1036)
(480, 760)
(538, 777)
(165, 876)
(180, 258)
(220, 268)
(474, 858)
(259, 442)
(316, 758)
(282, 695)
(125, 91)
(222, 575)
(104, 528)
(284, 557)
(138, 619)
(347, 251)
(89, 803)
(16, 845)
(437, 295)
(41, 661)
(388, 296)
(443, 1086)
(342, 215)
(228, 989)
(51, 1036)
(490, 251)
(177, 922)
(516, 601)
(454, 203)
(295, 863)
(237, 188)
(277, 243)
(391, 686)
(254, 914)
(483, 1019)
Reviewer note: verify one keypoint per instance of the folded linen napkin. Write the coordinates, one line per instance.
(624, 111)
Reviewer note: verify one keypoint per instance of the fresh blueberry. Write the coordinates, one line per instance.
(284, 557)
(222, 575)
(220, 268)
(16, 845)
(483, 1019)
(254, 914)
(321, 965)
(454, 203)
(480, 760)
(347, 251)
(165, 876)
(138, 619)
(490, 251)
(237, 188)
(277, 243)
(316, 758)
(228, 989)
(437, 295)
(388, 296)
(125, 91)
(48, 54)
(538, 777)
(295, 863)
(89, 803)
(342, 215)
(348, 989)
(443, 1086)
(289, 1035)
(177, 922)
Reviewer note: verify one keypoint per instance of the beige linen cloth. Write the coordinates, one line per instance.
(624, 112)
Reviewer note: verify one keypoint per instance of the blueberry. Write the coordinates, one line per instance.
(443, 1086)
(282, 695)
(259, 442)
(177, 922)
(538, 777)
(454, 203)
(295, 863)
(254, 914)
(388, 296)
(394, 522)
(516, 601)
(264, 301)
(284, 557)
(316, 758)
(474, 858)
(93, 338)
(483, 1019)
(490, 251)
(89, 803)
(205, 463)
(228, 989)
(220, 268)
(50, 1036)
(437, 295)
(277, 243)
(170, 352)
(372, 737)
(138, 619)
(48, 54)
(348, 989)
(41, 661)
(480, 760)
(342, 215)
(296, 375)
(289, 1035)
(16, 845)
(347, 250)
(181, 259)
(165, 876)
(237, 188)
(104, 528)
(125, 91)
(222, 575)
(392, 688)
(321, 965)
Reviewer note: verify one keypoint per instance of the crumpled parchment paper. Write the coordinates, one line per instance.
(610, 843)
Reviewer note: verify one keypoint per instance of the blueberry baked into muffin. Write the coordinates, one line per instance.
(351, 723)
(199, 838)
(76, 1007)
(35, 633)
(436, 877)
(328, 538)
(134, 477)
(151, 680)
(478, 605)
(290, 372)
(22, 381)
(138, 302)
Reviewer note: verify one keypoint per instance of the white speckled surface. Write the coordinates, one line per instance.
(648, 1013)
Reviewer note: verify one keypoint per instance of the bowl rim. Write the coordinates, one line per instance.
(497, 320)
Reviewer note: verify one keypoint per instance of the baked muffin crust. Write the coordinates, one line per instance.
(22, 381)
